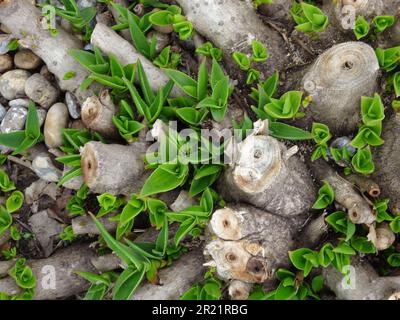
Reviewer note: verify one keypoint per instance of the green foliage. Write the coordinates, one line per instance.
(13, 45)
(100, 284)
(381, 23)
(208, 50)
(73, 140)
(361, 28)
(9, 254)
(173, 16)
(259, 54)
(396, 84)
(394, 260)
(200, 101)
(325, 198)
(363, 245)
(69, 75)
(108, 203)
(75, 205)
(6, 184)
(291, 287)
(258, 3)
(210, 289)
(24, 139)
(395, 225)
(362, 161)
(340, 222)
(68, 234)
(304, 259)
(381, 207)
(14, 233)
(321, 135)
(23, 275)
(388, 58)
(138, 26)
(79, 18)
(165, 178)
(372, 110)
(14, 201)
(286, 107)
(5, 219)
(308, 17)
(167, 59)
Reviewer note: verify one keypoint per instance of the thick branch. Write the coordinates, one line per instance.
(231, 25)
(360, 211)
(111, 43)
(113, 168)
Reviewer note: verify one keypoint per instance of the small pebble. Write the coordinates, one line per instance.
(5, 63)
(339, 143)
(14, 120)
(56, 120)
(88, 47)
(72, 104)
(19, 103)
(26, 59)
(12, 84)
(41, 115)
(44, 71)
(45, 169)
(40, 90)
(5, 39)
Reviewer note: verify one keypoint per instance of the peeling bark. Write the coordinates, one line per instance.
(359, 209)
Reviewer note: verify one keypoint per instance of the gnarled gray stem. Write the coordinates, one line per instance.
(359, 209)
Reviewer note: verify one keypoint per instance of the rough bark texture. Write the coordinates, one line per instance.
(239, 290)
(336, 82)
(24, 20)
(111, 43)
(97, 114)
(113, 168)
(359, 209)
(175, 279)
(366, 284)
(231, 25)
(269, 177)
(251, 243)
(387, 162)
